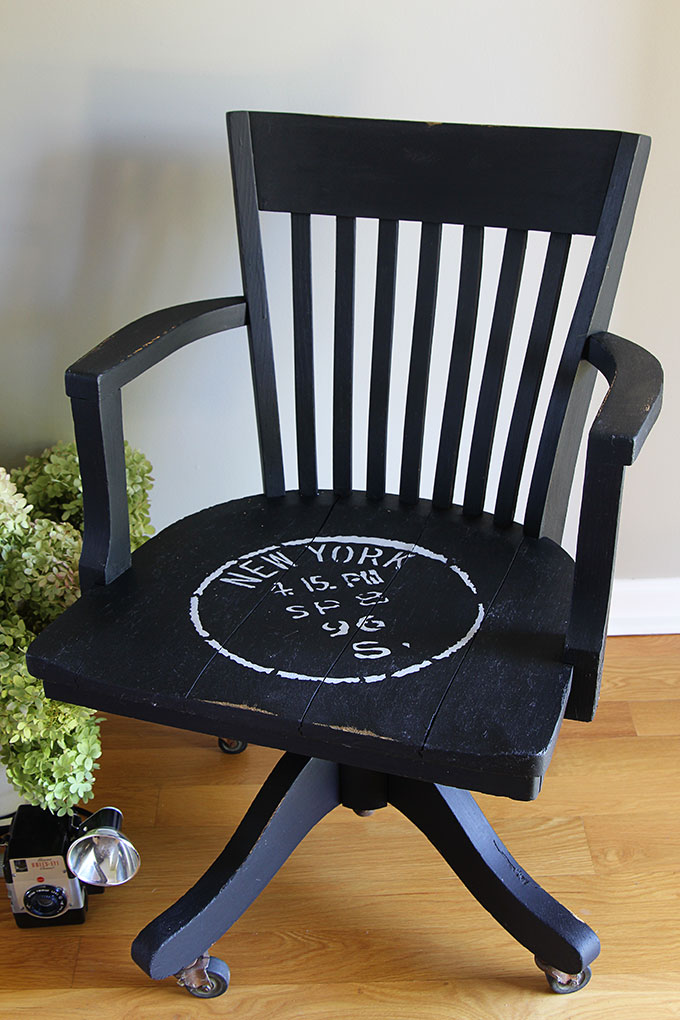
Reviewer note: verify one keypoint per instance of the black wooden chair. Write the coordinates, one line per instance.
(399, 649)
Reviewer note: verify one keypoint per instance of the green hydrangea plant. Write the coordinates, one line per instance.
(49, 749)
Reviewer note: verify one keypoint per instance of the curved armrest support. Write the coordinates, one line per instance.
(94, 384)
(128, 353)
(626, 416)
(633, 401)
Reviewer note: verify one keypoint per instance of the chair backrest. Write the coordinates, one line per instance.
(557, 181)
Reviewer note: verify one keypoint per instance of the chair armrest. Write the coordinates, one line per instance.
(94, 384)
(625, 418)
(633, 401)
(136, 347)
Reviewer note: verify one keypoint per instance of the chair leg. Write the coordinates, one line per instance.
(297, 795)
(456, 826)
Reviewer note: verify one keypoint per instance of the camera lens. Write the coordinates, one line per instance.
(45, 900)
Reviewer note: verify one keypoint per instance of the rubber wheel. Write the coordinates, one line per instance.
(231, 746)
(575, 985)
(218, 980)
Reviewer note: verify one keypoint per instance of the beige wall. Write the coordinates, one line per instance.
(646, 307)
(114, 197)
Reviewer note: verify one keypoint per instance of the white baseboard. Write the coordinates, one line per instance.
(646, 605)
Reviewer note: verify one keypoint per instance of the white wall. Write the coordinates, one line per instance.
(114, 193)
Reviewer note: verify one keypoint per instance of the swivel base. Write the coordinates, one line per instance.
(299, 792)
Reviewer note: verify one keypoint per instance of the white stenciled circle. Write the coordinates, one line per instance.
(337, 609)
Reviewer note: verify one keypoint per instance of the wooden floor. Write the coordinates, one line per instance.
(365, 920)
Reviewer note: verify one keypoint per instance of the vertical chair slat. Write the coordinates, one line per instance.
(343, 353)
(494, 369)
(419, 371)
(532, 375)
(383, 326)
(259, 328)
(304, 353)
(459, 366)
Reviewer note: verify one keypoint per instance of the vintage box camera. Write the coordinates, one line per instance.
(41, 888)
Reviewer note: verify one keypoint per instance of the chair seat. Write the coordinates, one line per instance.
(399, 638)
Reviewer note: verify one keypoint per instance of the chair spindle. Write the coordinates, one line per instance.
(343, 353)
(383, 327)
(419, 371)
(304, 353)
(494, 369)
(459, 366)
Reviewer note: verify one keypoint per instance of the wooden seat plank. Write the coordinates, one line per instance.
(505, 704)
(134, 640)
(431, 611)
(289, 643)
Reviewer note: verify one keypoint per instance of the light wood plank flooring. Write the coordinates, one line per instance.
(365, 920)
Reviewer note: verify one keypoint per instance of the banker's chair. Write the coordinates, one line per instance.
(398, 649)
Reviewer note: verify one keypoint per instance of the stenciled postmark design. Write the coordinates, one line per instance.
(363, 597)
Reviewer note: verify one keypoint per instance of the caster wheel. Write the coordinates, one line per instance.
(231, 746)
(217, 973)
(564, 984)
(574, 984)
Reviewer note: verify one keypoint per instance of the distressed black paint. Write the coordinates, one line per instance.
(395, 648)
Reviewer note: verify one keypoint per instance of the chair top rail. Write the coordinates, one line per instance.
(526, 178)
